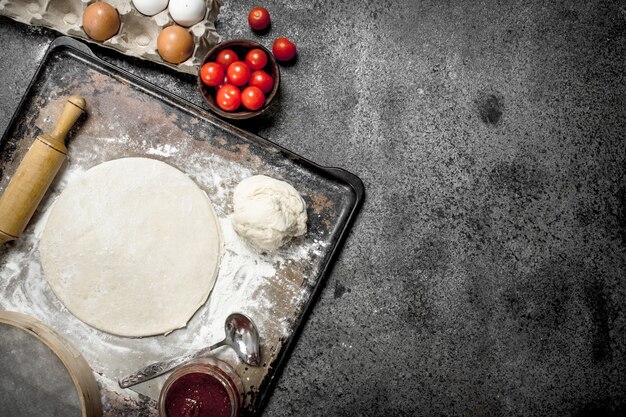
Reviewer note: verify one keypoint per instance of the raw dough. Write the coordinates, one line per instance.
(268, 212)
(132, 247)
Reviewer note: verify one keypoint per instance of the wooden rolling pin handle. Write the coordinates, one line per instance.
(35, 174)
(74, 107)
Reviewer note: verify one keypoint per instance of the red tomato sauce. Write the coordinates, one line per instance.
(197, 395)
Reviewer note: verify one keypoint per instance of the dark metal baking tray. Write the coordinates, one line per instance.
(150, 118)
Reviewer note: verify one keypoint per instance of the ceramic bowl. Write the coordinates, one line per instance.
(241, 48)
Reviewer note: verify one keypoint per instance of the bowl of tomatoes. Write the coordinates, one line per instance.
(239, 79)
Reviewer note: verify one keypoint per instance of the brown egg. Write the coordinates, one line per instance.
(175, 44)
(101, 21)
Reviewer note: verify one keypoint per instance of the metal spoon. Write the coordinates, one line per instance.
(241, 335)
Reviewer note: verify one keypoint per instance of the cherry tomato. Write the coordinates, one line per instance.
(226, 57)
(238, 73)
(259, 18)
(228, 98)
(283, 49)
(256, 59)
(252, 98)
(262, 80)
(212, 74)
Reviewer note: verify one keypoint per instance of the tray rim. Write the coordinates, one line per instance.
(352, 181)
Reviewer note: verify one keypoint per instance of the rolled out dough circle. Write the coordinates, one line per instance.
(132, 247)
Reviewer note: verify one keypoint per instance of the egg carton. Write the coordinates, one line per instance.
(137, 35)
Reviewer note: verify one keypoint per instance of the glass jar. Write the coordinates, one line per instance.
(203, 387)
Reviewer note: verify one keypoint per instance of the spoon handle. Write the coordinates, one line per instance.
(159, 368)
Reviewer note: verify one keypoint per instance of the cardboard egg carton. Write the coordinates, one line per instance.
(137, 35)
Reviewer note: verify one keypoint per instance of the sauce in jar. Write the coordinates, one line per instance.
(204, 387)
(198, 395)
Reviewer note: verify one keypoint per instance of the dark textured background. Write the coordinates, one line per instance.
(485, 275)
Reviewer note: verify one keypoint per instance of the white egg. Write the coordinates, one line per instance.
(187, 12)
(150, 7)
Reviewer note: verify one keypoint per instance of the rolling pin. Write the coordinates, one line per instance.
(35, 173)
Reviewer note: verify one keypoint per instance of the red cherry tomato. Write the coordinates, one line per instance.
(212, 74)
(283, 49)
(238, 73)
(256, 59)
(226, 57)
(228, 98)
(259, 18)
(252, 98)
(262, 80)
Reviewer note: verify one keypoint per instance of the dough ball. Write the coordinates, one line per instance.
(268, 212)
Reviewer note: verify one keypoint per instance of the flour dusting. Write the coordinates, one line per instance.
(163, 150)
(248, 281)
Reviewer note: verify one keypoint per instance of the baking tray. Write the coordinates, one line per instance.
(127, 117)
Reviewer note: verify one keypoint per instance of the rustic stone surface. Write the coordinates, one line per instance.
(485, 273)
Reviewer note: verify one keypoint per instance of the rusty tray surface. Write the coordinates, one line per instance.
(128, 117)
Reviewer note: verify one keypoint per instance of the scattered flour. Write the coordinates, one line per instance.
(241, 286)
(163, 150)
